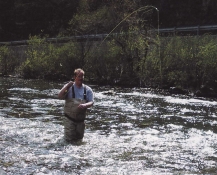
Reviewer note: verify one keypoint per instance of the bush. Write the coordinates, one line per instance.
(50, 61)
(8, 61)
(186, 61)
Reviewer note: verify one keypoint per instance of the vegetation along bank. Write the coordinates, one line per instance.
(184, 62)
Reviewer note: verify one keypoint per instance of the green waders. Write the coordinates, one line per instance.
(74, 120)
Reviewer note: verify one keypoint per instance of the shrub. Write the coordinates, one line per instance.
(8, 61)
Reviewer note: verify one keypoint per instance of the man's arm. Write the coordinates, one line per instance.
(90, 99)
(86, 105)
(64, 90)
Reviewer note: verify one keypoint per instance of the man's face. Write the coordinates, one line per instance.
(79, 78)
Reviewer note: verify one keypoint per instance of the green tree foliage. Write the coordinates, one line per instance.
(208, 64)
(51, 61)
(187, 13)
(8, 61)
(38, 54)
(126, 18)
(21, 18)
(4, 53)
(129, 55)
(187, 62)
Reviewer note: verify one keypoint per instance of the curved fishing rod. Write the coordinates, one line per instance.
(139, 9)
(148, 8)
(144, 8)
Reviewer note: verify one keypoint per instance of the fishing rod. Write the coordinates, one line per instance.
(139, 9)
(146, 9)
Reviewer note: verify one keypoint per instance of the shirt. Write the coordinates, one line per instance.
(79, 93)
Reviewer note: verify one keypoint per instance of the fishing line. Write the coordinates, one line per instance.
(146, 9)
(139, 9)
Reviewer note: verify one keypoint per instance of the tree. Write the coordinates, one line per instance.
(7, 20)
(129, 21)
(21, 18)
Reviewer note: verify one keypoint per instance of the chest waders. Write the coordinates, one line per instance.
(74, 118)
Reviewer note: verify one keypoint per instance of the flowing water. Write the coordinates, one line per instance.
(128, 131)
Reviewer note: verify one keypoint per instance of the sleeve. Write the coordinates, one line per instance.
(90, 96)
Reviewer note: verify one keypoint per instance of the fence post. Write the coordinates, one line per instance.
(198, 30)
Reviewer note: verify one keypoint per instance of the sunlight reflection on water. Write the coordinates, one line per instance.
(127, 133)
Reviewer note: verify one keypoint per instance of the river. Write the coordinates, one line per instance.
(128, 131)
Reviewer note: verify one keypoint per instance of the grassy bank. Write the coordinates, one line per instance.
(185, 62)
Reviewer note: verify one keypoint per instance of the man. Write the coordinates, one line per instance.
(78, 97)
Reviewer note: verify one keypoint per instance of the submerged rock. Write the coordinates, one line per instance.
(110, 92)
(176, 90)
(205, 91)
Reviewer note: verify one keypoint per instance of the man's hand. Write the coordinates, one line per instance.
(85, 105)
(82, 106)
(69, 84)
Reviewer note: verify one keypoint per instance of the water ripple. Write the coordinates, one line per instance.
(129, 131)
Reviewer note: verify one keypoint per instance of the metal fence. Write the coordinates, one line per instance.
(173, 30)
(197, 29)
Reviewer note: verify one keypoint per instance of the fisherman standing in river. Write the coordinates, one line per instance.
(78, 97)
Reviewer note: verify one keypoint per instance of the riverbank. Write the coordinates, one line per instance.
(187, 62)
